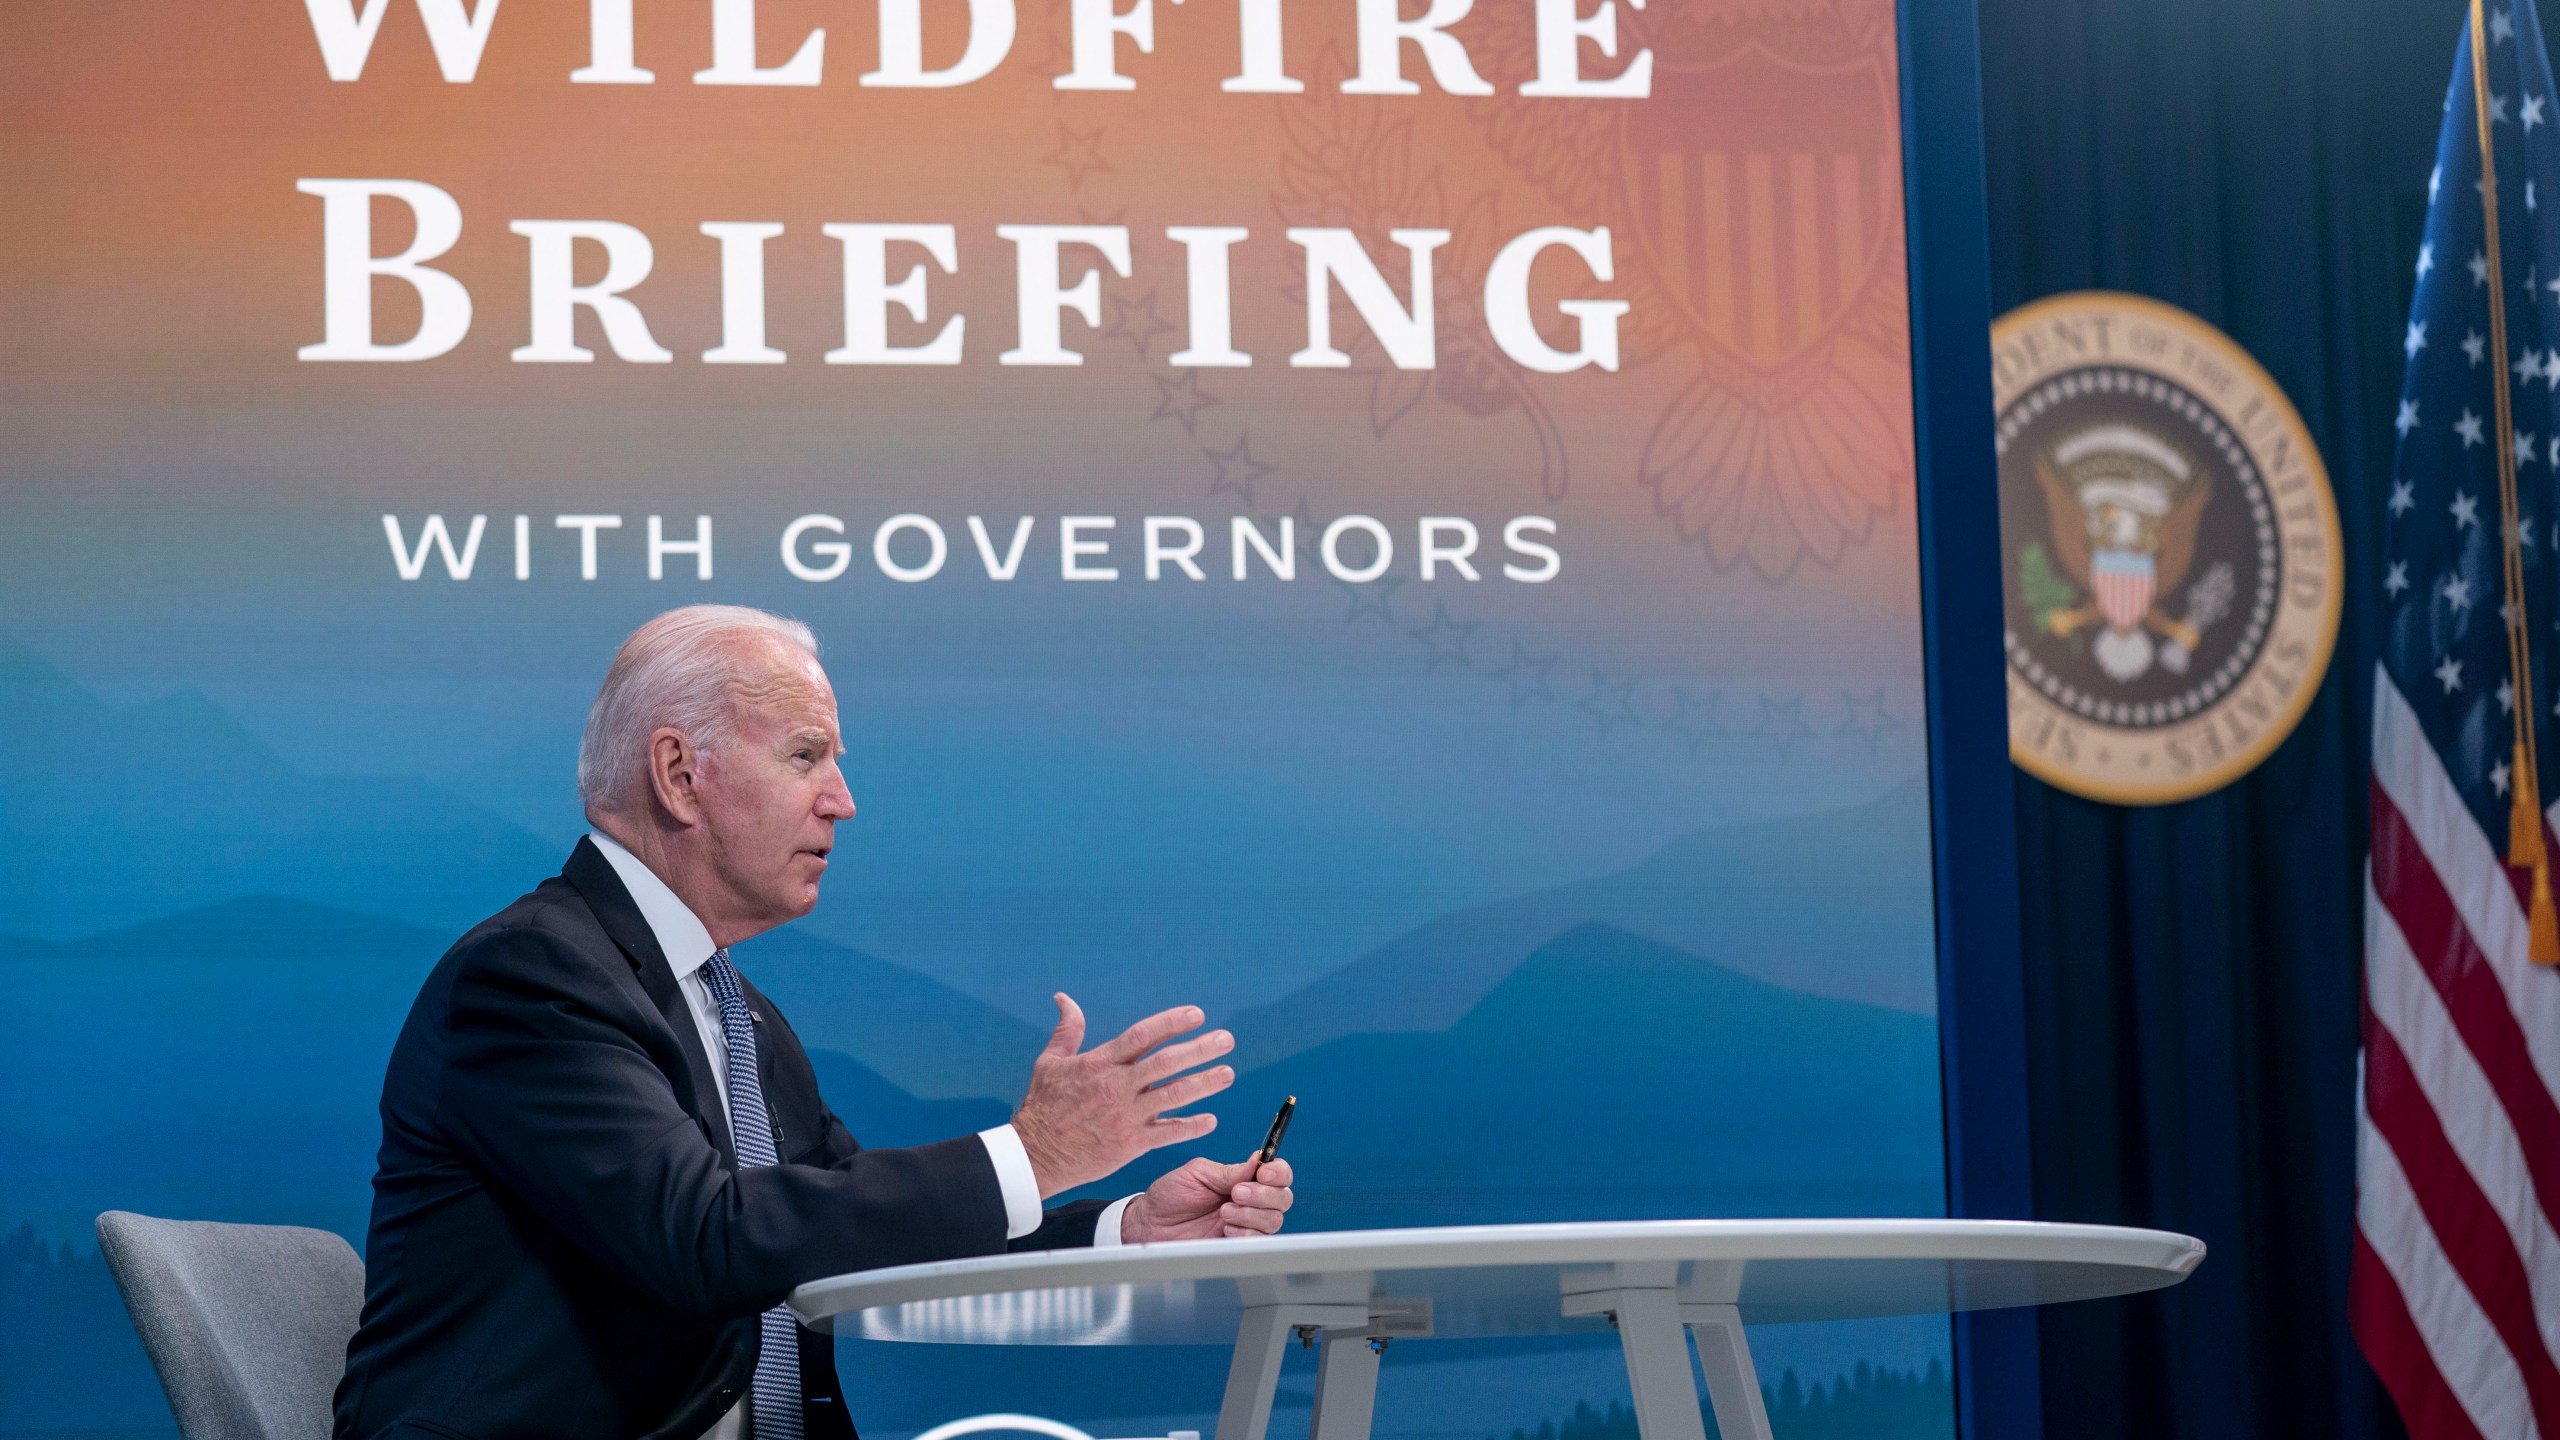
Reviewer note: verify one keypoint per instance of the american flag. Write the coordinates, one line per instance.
(2455, 1295)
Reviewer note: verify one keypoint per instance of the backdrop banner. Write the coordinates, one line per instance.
(1395, 528)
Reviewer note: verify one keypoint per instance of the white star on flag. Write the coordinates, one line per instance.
(2404, 497)
(2426, 260)
(2497, 108)
(2532, 114)
(2466, 511)
(2506, 696)
(2417, 340)
(2524, 447)
(2471, 430)
(2478, 265)
(2528, 196)
(2502, 27)
(2408, 417)
(2450, 672)
(2396, 579)
(2498, 777)
(2526, 366)
(2475, 346)
(2551, 367)
(2456, 592)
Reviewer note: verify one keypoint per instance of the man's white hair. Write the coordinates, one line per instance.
(675, 672)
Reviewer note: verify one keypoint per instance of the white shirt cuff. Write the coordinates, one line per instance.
(1106, 1231)
(1013, 1174)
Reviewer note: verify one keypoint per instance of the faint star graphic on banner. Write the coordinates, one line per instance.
(1693, 717)
(1611, 702)
(1526, 676)
(1237, 469)
(1079, 153)
(1138, 322)
(1182, 400)
(1444, 638)
(1782, 722)
(1867, 719)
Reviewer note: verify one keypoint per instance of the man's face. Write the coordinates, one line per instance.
(772, 796)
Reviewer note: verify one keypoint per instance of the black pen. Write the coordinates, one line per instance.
(1279, 1127)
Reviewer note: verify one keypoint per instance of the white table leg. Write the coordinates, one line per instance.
(1657, 1352)
(1255, 1372)
(1253, 1375)
(1733, 1383)
(1346, 1386)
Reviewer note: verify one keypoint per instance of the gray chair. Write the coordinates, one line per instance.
(247, 1324)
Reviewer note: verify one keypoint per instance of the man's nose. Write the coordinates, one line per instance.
(835, 802)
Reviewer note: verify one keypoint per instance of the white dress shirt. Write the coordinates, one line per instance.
(686, 943)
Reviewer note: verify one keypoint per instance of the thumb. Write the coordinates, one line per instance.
(1068, 1037)
(1231, 1176)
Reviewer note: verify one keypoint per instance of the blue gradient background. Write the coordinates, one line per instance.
(1603, 898)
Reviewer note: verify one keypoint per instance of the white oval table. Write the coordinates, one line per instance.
(1355, 1291)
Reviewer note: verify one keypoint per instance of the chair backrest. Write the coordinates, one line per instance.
(247, 1324)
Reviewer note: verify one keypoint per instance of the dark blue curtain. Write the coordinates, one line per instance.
(2193, 969)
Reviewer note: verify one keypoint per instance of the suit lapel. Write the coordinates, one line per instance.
(615, 910)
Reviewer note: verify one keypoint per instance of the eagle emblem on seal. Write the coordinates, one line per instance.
(2122, 509)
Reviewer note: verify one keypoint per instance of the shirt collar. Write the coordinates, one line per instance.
(681, 935)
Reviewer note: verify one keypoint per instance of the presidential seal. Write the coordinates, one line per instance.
(2169, 547)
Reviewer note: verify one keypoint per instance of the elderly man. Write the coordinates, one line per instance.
(604, 1158)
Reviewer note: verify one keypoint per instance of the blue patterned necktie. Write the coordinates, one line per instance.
(777, 1392)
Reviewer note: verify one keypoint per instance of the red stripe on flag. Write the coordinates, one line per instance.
(2379, 1315)
(2474, 1239)
(2415, 895)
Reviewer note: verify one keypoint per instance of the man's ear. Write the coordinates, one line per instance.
(675, 775)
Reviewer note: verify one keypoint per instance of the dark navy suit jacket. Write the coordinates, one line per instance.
(563, 1246)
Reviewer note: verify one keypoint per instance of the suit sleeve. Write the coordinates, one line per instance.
(549, 1089)
(1066, 1227)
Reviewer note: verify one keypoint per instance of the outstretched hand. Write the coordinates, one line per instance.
(1089, 1112)
(1205, 1200)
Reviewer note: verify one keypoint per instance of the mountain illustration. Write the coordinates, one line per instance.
(930, 1040)
(1833, 904)
(1610, 1076)
(217, 813)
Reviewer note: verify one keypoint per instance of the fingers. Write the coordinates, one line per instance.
(1173, 1059)
(1276, 1173)
(1178, 1129)
(1147, 1034)
(1068, 1037)
(1262, 1197)
(1248, 1220)
(1224, 1177)
(1190, 1089)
